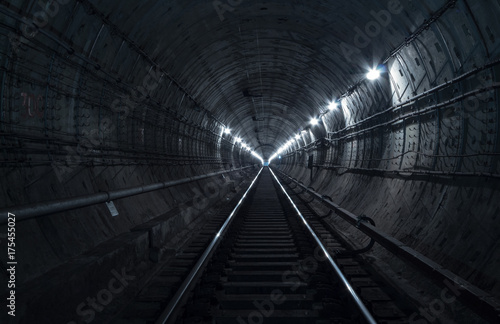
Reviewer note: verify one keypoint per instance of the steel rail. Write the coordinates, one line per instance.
(189, 281)
(479, 300)
(366, 313)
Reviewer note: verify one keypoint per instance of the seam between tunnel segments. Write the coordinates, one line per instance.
(141, 52)
(408, 40)
(85, 59)
(425, 25)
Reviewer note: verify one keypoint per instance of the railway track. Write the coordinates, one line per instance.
(263, 260)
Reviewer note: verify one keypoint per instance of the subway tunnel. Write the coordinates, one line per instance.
(127, 127)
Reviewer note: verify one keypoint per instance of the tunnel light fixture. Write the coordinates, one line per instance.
(373, 74)
(274, 156)
(333, 105)
(227, 130)
(257, 156)
(246, 147)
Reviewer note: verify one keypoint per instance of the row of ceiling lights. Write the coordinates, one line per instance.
(238, 140)
(373, 74)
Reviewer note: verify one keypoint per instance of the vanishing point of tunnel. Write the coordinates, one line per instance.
(238, 161)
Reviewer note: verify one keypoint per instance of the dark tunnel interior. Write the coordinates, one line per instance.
(126, 126)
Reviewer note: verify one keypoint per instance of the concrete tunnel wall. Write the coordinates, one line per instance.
(426, 169)
(68, 130)
(78, 132)
(92, 103)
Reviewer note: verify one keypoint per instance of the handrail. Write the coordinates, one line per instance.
(25, 212)
(189, 281)
(366, 313)
(479, 300)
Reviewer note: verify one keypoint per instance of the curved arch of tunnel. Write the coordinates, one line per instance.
(110, 94)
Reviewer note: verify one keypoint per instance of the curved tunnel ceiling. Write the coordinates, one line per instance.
(264, 69)
(108, 95)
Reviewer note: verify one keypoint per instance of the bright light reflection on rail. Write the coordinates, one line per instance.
(169, 310)
(356, 298)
